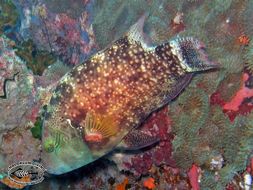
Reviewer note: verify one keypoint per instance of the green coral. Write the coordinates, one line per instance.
(37, 129)
(248, 57)
(194, 105)
(8, 16)
(247, 18)
(121, 14)
(230, 85)
(219, 6)
(208, 82)
(36, 60)
(218, 136)
(189, 114)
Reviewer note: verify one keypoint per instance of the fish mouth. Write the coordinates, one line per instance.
(207, 63)
(204, 58)
(192, 54)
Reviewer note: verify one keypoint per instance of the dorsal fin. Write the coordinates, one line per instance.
(137, 34)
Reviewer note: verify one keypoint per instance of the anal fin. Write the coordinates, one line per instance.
(137, 139)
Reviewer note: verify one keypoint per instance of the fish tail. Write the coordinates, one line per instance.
(192, 54)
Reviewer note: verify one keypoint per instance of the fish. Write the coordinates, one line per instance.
(101, 103)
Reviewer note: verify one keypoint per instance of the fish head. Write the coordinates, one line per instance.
(70, 143)
(192, 54)
(73, 134)
(63, 148)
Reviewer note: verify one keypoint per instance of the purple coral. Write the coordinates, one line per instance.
(158, 125)
(71, 39)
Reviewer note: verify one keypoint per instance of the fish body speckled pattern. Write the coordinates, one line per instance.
(100, 101)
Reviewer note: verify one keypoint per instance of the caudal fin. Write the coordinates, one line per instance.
(192, 55)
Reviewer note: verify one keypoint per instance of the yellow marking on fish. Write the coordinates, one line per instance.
(97, 128)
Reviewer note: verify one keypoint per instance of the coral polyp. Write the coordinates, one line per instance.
(193, 109)
(248, 57)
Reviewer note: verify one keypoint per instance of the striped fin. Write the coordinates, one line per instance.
(96, 128)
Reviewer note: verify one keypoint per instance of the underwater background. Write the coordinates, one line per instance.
(206, 133)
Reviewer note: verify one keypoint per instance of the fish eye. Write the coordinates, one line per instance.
(49, 145)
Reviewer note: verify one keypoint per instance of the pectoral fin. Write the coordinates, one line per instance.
(97, 128)
(137, 139)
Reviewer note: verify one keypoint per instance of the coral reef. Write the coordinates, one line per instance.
(17, 85)
(205, 135)
(202, 144)
(35, 60)
(65, 34)
(158, 125)
(8, 17)
(37, 129)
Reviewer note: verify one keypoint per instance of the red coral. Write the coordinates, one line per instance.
(231, 114)
(162, 154)
(243, 93)
(157, 125)
(142, 164)
(33, 114)
(216, 99)
(193, 175)
(250, 166)
(230, 187)
(71, 39)
(238, 105)
(245, 109)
